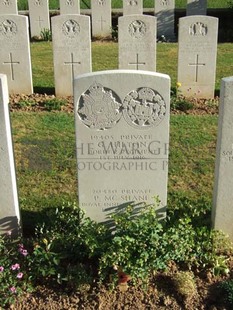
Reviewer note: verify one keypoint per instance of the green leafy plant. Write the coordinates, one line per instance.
(26, 103)
(227, 288)
(114, 31)
(179, 102)
(66, 248)
(54, 104)
(46, 34)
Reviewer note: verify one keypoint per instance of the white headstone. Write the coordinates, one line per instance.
(137, 42)
(101, 18)
(164, 11)
(9, 205)
(39, 16)
(132, 7)
(69, 6)
(15, 58)
(222, 213)
(71, 50)
(8, 7)
(197, 55)
(122, 138)
(196, 7)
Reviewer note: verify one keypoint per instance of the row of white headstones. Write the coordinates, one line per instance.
(193, 7)
(197, 51)
(128, 109)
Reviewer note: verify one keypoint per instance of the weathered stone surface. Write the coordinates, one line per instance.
(9, 206)
(137, 42)
(222, 213)
(71, 50)
(15, 58)
(197, 55)
(122, 136)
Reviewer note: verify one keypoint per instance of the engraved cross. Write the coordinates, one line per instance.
(72, 63)
(101, 22)
(12, 63)
(40, 22)
(197, 65)
(137, 63)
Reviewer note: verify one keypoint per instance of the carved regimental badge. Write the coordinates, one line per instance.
(144, 108)
(132, 2)
(101, 2)
(69, 2)
(70, 28)
(198, 29)
(8, 28)
(165, 2)
(99, 108)
(38, 2)
(6, 2)
(137, 29)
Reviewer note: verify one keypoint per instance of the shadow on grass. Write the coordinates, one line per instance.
(40, 212)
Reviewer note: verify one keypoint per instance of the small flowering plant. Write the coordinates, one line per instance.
(14, 277)
(178, 101)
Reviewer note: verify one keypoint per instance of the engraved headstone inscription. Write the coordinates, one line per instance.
(9, 205)
(38, 16)
(122, 138)
(15, 59)
(164, 11)
(132, 7)
(69, 6)
(137, 42)
(197, 53)
(101, 19)
(196, 7)
(71, 50)
(8, 7)
(222, 212)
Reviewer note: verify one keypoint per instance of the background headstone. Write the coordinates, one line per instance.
(71, 50)
(38, 16)
(222, 213)
(132, 7)
(137, 42)
(101, 18)
(69, 6)
(196, 7)
(164, 11)
(122, 138)
(9, 205)
(8, 7)
(197, 54)
(15, 58)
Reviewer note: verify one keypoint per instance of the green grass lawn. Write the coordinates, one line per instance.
(46, 166)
